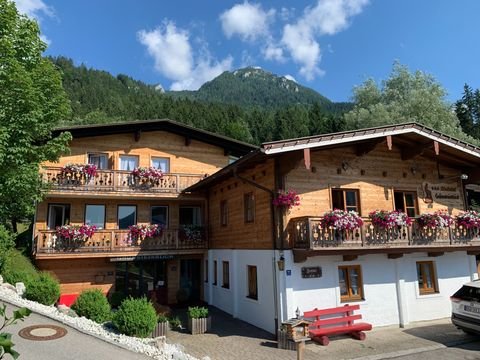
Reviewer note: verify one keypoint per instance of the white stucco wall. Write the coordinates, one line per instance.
(261, 312)
(385, 281)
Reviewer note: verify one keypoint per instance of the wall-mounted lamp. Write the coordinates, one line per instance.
(281, 263)
(461, 177)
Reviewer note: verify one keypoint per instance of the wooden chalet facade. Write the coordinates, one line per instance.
(113, 199)
(264, 261)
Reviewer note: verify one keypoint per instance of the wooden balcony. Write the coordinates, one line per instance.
(115, 181)
(307, 234)
(111, 243)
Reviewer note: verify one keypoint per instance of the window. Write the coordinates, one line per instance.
(427, 281)
(345, 200)
(99, 160)
(406, 202)
(206, 271)
(128, 162)
(215, 272)
(252, 282)
(127, 216)
(161, 163)
(190, 215)
(226, 275)
(351, 286)
(58, 215)
(95, 215)
(159, 215)
(224, 213)
(249, 207)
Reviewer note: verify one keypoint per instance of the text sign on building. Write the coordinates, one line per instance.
(142, 258)
(439, 192)
(311, 272)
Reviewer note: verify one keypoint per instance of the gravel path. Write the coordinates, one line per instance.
(91, 328)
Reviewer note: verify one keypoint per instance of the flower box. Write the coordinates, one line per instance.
(138, 233)
(77, 171)
(199, 326)
(71, 237)
(438, 220)
(389, 219)
(468, 220)
(146, 176)
(341, 220)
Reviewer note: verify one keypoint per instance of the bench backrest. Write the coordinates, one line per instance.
(338, 315)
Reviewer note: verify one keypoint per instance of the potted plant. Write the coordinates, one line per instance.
(138, 233)
(468, 220)
(198, 320)
(75, 172)
(146, 176)
(162, 327)
(286, 199)
(341, 220)
(389, 219)
(440, 219)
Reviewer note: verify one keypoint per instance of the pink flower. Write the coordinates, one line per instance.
(287, 199)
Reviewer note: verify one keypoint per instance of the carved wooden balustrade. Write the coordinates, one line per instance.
(307, 233)
(116, 181)
(48, 242)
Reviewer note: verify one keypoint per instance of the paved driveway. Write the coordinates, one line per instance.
(73, 346)
(233, 339)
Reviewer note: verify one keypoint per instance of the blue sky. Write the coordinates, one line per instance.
(328, 45)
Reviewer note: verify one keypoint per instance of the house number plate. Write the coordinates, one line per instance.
(311, 272)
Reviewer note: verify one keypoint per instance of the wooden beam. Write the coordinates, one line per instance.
(389, 142)
(299, 257)
(137, 135)
(395, 256)
(436, 147)
(188, 141)
(306, 158)
(435, 253)
(350, 257)
(474, 253)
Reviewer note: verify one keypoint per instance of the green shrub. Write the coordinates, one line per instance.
(175, 323)
(6, 243)
(18, 268)
(197, 312)
(44, 289)
(162, 318)
(135, 317)
(93, 305)
(116, 298)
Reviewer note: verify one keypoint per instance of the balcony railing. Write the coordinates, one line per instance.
(114, 241)
(307, 233)
(116, 181)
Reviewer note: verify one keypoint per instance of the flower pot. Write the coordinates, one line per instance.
(199, 326)
(161, 329)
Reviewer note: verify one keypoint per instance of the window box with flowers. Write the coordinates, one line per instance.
(286, 199)
(192, 234)
(467, 225)
(339, 225)
(138, 233)
(77, 174)
(433, 227)
(387, 226)
(146, 176)
(72, 237)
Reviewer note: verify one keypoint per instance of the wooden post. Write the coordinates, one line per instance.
(300, 350)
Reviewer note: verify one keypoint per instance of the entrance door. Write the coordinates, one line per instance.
(190, 280)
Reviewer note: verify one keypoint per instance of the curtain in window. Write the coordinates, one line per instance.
(128, 163)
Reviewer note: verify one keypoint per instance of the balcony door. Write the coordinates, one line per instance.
(58, 215)
(190, 215)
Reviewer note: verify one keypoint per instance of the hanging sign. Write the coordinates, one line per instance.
(141, 258)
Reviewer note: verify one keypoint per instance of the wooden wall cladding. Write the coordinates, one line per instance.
(195, 158)
(376, 175)
(76, 275)
(237, 234)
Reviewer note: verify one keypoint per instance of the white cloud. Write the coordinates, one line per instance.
(35, 9)
(273, 52)
(248, 21)
(175, 59)
(327, 17)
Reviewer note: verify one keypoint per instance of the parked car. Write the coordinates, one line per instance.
(466, 308)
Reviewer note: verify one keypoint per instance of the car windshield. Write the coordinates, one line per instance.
(468, 293)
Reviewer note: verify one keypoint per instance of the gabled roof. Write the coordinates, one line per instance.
(275, 147)
(231, 146)
(407, 134)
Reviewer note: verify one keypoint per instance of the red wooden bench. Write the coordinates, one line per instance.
(336, 321)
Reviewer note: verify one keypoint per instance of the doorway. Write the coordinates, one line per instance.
(190, 281)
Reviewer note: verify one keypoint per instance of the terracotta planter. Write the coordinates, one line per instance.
(161, 329)
(199, 326)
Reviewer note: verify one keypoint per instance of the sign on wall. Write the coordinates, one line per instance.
(441, 193)
(311, 272)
